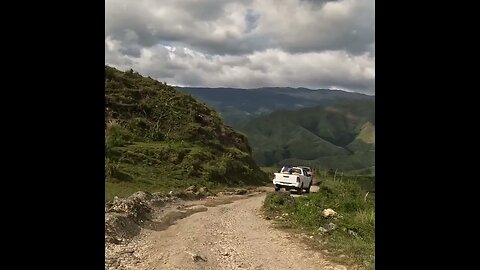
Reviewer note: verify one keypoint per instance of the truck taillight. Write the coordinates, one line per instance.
(298, 179)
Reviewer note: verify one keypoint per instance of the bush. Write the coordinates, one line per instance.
(138, 125)
(116, 135)
(279, 200)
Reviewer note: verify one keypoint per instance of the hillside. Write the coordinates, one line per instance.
(339, 136)
(238, 106)
(365, 140)
(157, 138)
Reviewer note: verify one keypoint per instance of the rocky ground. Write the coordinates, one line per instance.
(150, 231)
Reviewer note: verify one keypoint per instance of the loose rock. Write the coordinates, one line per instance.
(326, 213)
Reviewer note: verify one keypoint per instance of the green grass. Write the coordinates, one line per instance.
(347, 198)
(166, 166)
(125, 189)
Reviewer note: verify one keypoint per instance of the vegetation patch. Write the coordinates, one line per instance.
(158, 139)
(339, 218)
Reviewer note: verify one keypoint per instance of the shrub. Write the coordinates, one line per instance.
(116, 135)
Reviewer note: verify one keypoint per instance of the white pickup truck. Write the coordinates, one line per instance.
(298, 178)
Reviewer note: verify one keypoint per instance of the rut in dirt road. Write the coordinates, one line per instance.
(228, 236)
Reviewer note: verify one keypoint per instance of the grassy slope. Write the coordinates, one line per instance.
(347, 198)
(158, 139)
(365, 140)
(274, 138)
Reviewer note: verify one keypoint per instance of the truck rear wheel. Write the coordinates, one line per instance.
(277, 188)
(300, 190)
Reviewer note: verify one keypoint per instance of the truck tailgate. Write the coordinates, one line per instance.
(286, 178)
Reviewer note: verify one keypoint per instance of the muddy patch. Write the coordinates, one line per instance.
(167, 219)
(171, 217)
(219, 201)
(228, 200)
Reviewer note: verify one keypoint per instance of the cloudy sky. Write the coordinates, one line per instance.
(245, 43)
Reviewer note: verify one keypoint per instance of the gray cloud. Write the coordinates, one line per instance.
(249, 43)
(251, 20)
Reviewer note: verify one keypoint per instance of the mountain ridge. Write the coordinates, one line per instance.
(237, 105)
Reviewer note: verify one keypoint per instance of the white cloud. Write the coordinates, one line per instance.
(249, 43)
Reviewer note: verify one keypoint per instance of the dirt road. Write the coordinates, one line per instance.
(215, 234)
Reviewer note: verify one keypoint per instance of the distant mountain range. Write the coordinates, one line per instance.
(326, 129)
(238, 106)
